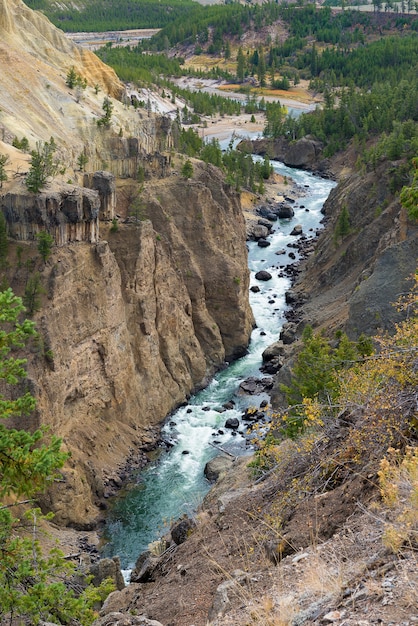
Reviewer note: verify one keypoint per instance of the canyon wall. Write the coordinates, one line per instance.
(132, 319)
(352, 282)
(131, 325)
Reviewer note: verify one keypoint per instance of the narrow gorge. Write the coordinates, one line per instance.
(140, 297)
(131, 322)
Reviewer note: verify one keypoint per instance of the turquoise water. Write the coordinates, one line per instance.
(175, 484)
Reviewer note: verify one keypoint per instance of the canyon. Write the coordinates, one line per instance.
(131, 322)
(138, 309)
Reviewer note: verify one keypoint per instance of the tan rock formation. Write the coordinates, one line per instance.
(68, 213)
(132, 326)
(129, 327)
(35, 101)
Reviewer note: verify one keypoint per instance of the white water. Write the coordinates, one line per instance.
(175, 484)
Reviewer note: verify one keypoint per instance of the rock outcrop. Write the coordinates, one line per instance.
(69, 214)
(131, 326)
(352, 281)
(36, 102)
(306, 153)
(380, 247)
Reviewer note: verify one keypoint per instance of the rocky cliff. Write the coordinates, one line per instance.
(361, 273)
(356, 274)
(36, 102)
(131, 319)
(131, 325)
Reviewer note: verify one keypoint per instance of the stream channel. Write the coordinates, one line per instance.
(175, 484)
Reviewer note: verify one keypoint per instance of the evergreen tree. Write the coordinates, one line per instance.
(32, 586)
(108, 109)
(45, 241)
(227, 50)
(3, 175)
(187, 169)
(71, 79)
(42, 165)
(31, 298)
(82, 161)
(343, 228)
(240, 65)
(261, 68)
(137, 206)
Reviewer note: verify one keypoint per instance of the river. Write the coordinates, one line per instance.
(175, 484)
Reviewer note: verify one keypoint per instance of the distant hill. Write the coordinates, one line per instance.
(102, 15)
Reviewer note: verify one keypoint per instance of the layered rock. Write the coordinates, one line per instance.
(132, 326)
(305, 153)
(36, 102)
(69, 214)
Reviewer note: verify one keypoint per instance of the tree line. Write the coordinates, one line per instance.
(103, 15)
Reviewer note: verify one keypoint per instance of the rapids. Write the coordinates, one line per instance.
(174, 484)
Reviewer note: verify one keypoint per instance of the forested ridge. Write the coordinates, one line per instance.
(102, 15)
(369, 83)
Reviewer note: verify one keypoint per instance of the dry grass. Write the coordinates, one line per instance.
(323, 574)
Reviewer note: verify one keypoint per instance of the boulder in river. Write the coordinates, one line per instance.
(254, 386)
(297, 230)
(285, 212)
(263, 275)
(232, 423)
(217, 466)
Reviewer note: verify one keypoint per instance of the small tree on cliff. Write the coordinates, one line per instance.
(45, 242)
(3, 175)
(32, 586)
(42, 165)
(82, 161)
(342, 227)
(187, 169)
(108, 109)
(137, 207)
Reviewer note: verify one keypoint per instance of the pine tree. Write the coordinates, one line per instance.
(261, 68)
(45, 241)
(187, 169)
(240, 65)
(42, 165)
(82, 161)
(32, 584)
(3, 175)
(409, 195)
(343, 228)
(71, 79)
(33, 290)
(108, 109)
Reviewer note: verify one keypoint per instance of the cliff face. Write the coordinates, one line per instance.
(354, 280)
(36, 103)
(131, 322)
(133, 325)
